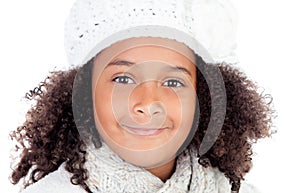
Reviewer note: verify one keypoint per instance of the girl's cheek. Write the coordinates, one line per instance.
(102, 99)
(173, 104)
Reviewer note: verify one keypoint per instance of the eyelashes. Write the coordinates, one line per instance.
(123, 80)
(171, 82)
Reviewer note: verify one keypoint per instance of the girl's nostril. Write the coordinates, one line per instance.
(140, 111)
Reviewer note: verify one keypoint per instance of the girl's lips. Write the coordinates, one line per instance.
(143, 131)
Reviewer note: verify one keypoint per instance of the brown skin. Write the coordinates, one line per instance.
(133, 90)
(165, 171)
(52, 137)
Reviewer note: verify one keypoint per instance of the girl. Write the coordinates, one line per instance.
(151, 104)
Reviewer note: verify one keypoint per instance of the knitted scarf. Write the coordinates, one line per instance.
(109, 173)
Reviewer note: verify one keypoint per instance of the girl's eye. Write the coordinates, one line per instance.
(123, 80)
(173, 83)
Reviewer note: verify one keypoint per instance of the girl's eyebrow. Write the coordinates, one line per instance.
(118, 62)
(180, 69)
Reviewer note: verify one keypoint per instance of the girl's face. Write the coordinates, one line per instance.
(144, 98)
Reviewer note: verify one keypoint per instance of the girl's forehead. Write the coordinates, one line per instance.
(146, 48)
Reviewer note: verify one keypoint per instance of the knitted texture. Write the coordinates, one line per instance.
(110, 174)
(208, 27)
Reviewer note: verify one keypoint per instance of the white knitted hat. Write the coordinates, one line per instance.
(208, 27)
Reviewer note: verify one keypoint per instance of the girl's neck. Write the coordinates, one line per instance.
(164, 172)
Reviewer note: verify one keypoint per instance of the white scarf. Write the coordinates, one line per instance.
(109, 173)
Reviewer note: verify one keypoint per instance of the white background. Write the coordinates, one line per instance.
(31, 44)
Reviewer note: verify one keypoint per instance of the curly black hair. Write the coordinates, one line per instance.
(50, 136)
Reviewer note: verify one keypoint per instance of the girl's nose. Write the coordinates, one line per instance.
(145, 100)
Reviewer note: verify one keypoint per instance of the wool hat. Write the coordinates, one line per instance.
(208, 27)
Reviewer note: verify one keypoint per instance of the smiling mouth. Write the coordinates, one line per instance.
(143, 131)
